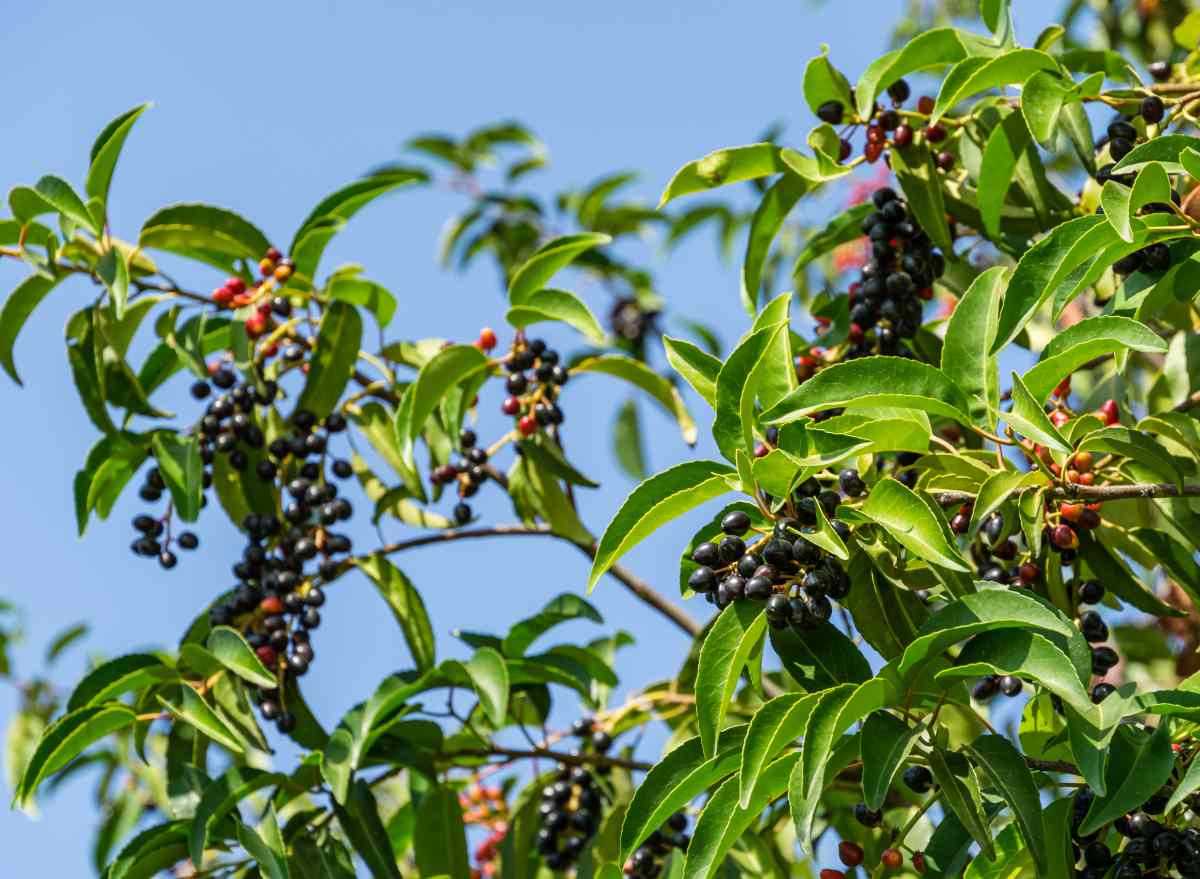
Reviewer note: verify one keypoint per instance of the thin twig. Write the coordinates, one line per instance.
(563, 757)
(1076, 491)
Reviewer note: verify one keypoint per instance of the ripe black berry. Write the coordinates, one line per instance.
(1152, 109)
(866, 816)
(707, 554)
(899, 91)
(918, 779)
(851, 483)
(832, 112)
(188, 540)
(736, 522)
(1091, 592)
(702, 580)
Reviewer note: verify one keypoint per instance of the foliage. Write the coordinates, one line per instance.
(951, 484)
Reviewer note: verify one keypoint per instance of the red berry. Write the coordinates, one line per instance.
(266, 267)
(891, 858)
(235, 285)
(1058, 418)
(844, 150)
(851, 853)
(832, 874)
(903, 136)
(1063, 536)
(274, 255)
(925, 293)
(271, 604)
(924, 105)
(1071, 512)
(527, 425)
(510, 406)
(856, 333)
(267, 654)
(256, 325)
(222, 296)
(918, 861)
(1064, 388)
(935, 133)
(487, 339)
(945, 160)
(875, 134)
(1029, 572)
(960, 523)
(873, 151)
(1109, 413)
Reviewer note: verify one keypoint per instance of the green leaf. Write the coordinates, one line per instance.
(114, 274)
(152, 851)
(961, 797)
(967, 350)
(220, 798)
(823, 82)
(17, 309)
(1136, 446)
(722, 821)
(976, 74)
(1138, 765)
(774, 726)
(549, 259)
(1008, 143)
(737, 388)
(1084, 341)
(773, 208)
(909, 520)
(232, 651)
(1121, 202)
(1028, 418)
(820, 657)
(366, 294)
(922, 184)
(206, 233)
(676, 780)
(440, 838)
(658, 500)
(333, 359)
(824, 727)
(116, 677)
(407, 607)
(886, 743)
(1167, 149)
(931, 48)
(1042, 100)
(698, 368)
(489, 677)
(1024, 654)
(192, 709)
(58, 194)
(446, 370)
(643, 377)
(66, 739)
(727, 646)
(182, 470)
(983, 611)
(558, 610)
(996, 489)
(732, 165)
(1005, 767)
(106, 150)
(360, 820)
(874, 381)
(557, 305)
(1040, 271)
(1012, 860)
(265, 845)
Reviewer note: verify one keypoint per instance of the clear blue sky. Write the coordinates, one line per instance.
(266, 107)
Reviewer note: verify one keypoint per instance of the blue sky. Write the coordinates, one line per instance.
(266, 107)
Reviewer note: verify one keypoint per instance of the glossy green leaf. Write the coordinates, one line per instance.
(365, 294)
(360, 820)
(407, 607)
(114, 274)
(823, 82)
(203, 232)
(333, 359)
(1135, 445)
(1138, 765)
(961, 797)
(1029, 419)
(922, 185)
(1005, 767)
(976, 74)
(63, 198)
(19, 305)
(874, 381)
(907, 519)
(820, 657)
(886, 743)
(1119, 580)
(222, 797)
(1024, 654)
(774, 726)
(996, 489)
(736, 391)
(440, 838)
(192, 709)
(232, 651)
(931, 48)
(1042, 100)
(677, 779)
(265, 844)
(658, 500)
(773, 209)
(549, 259)
(646, 379)
(558, 610)
(1166, 149)
(1008, 142)
(557, 305)
(698, 368)
(106, 150)
(967, 350)
(182, 470)
(66, 739)
(845, 227)
(1084, 341)
(727, 647)
(116, 677)
(722, 167)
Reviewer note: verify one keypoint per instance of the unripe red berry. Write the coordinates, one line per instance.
(918, 862)
(935, 133)
(1029, 572)
(1058, 418)
(1108, 411)
(267, 654)
(256, 325)
(271, 605)
(222, 296)
(873, 151)
(487, 339)
(902, 136)
(891, 858)
(945, 160)
(282, 272)
(266, 267)
(851, 853)
(1064, 537)
(925, 294)
(1071, 512)
(875, 134)
(1063, 389)
(1083, 461)
(510, 406)
(925, 105)
(527, 425)
(829, 873)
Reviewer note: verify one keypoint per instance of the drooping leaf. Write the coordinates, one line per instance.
(961, 796)
(182, 470)
(1138, 765)
(59, 194)
(206, 233)
(932, 48)
(722, 167)
(886, 743)
(1005, 767)
(1029, 419)
(909, 520)
(967, 351)
(440, 838)
(359, 818)
(231, 650)
(116, 677)
(66, 739)
(776, 725)
(549, 259)
(557, 305)
(191, 708)
(333, 359)
(727, 646)
(976, 74)
(407, 607)
(776, 203)
(365, 294)
(698, 368)
(220, 798)
(19, 305)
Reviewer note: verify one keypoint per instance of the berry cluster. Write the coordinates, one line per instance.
(790, 575)
(276, 603)
(572, 804)
(469, 472)
(154, 538)
(896, 280)
(1149, 849)
(275, 268)
(485, 806)
(647, 860)
(890, 127)
(534, 381)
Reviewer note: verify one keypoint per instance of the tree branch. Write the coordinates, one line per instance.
(1074, 491)
(566, 759)
(643, 591)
